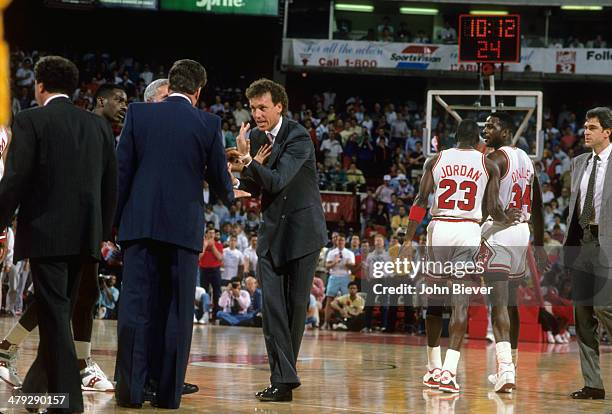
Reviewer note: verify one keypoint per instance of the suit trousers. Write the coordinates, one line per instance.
(56, 281)
(155, 321)
(285, 294)
(591, 293)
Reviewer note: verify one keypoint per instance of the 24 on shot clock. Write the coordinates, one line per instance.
(489, 38)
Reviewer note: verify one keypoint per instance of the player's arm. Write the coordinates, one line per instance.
(419, 207)
(500, 161)
(492, 204)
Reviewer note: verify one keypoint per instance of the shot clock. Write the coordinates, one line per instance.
(489, 38)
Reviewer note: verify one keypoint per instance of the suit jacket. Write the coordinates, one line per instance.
(293, 223)
(61, 171)
(165, 151)
(574, 231)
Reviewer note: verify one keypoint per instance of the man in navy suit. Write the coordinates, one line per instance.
(165, 151)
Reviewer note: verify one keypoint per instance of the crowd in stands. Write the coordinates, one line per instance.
(372, 148)
(385, 31)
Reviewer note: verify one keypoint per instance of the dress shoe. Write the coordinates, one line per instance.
(190, 388)
(128, 405)
(274, 394)
(588, 393)
(150, 393)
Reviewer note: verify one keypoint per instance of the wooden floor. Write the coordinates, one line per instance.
(352, 373)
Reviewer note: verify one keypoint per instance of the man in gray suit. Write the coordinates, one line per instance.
(281, 167)
(588, 246)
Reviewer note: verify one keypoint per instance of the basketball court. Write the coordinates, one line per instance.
(351, 373)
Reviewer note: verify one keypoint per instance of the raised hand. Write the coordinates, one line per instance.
(241, 193)
(243, 145)
(263, 153)
(234, 158)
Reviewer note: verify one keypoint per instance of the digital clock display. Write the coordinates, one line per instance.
(489, 38)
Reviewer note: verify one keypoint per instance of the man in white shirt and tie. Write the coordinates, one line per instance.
(588, 246)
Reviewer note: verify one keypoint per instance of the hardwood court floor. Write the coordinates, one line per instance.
(352, 373)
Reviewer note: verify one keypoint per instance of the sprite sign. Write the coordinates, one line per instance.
(255, 7)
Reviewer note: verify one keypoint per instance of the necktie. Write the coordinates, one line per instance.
(588, 211)
(270, 138)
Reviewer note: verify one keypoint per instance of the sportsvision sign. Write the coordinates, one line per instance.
(253, 7)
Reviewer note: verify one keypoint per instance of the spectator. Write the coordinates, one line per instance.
(146, 75)
(355, 178)
(312, 314)
(405, 190)
(252, 222)
(339, 262)
(233, 216)
(250, 257)
(109, 296)
(421, 37)
(254, 309)
(384, 191)
(234, 303)
(24, 76)
(232, 260)
(243, 240)
(210, 262)
(336, 177)
(240, 114)
(202, 306)
(217, 108)
(448, 34)
(547, 194)
(381, 216)
(211, 217)
(349, 310)
(376, 258)
(318, 288)
(331, 149)
(400, 219)
(220, 210)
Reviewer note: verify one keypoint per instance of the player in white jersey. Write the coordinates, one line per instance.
(461, 178)
(504, 248)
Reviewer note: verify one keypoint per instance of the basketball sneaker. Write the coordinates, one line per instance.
(93, 379)
(8, 366)
(431, 379)
(448, 382)
(505, 379)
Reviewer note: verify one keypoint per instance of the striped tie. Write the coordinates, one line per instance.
(588, 211)
(270, 138)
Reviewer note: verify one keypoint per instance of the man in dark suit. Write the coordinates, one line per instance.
(165, 152)
(588, 246)
(62, 174)
(292, 231)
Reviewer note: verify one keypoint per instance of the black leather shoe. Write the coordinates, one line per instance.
(275, 394)
(150, 393)
(190, 388)
(588, 393)
(128, 405)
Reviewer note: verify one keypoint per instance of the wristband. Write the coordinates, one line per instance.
(417, 213)
(4, 235)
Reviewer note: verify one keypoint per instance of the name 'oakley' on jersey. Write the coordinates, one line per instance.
(515, 187)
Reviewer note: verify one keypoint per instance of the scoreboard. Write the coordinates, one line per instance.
(490, 38)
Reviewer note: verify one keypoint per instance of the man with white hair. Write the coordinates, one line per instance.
(156, 91)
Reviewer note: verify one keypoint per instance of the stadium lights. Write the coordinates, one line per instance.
(489, 12)
(582, 8)
(418, 10)
(367, 8)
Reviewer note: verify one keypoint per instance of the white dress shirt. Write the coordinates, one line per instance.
(181, 95)
(275, 130)
(59, 95)
(602, 164)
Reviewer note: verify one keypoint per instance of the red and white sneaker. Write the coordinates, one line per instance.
(448, 382)
(8, 367)
(93, 379)
(432, 378)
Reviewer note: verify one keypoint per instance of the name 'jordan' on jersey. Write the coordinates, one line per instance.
(460, 177)
(515, 187)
